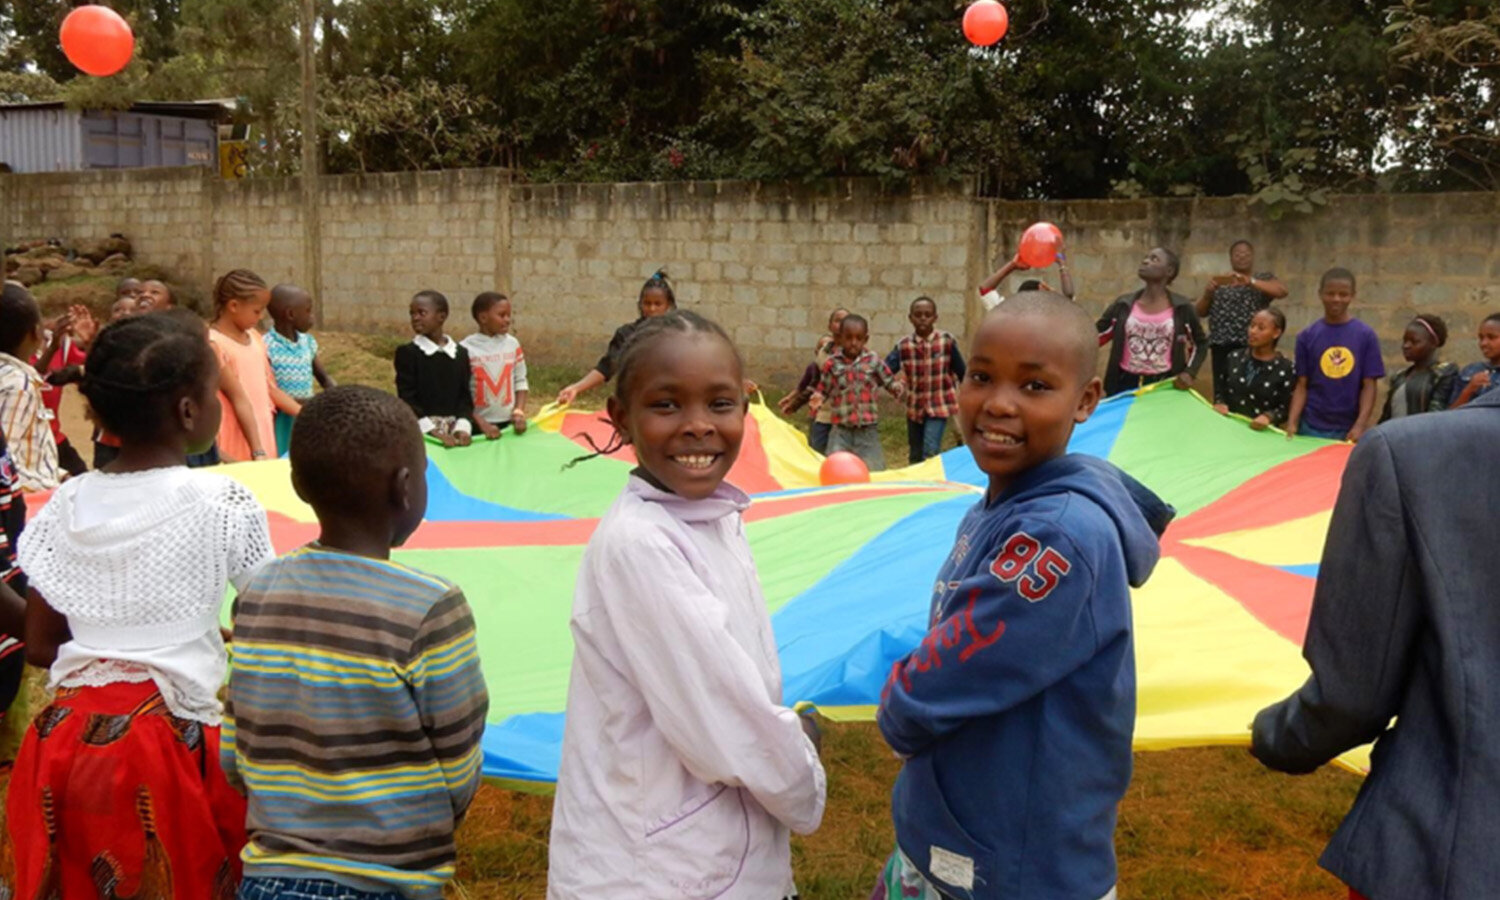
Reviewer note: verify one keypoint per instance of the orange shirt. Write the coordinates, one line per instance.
(253, 367)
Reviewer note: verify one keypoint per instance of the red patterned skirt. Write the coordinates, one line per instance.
(113, 796)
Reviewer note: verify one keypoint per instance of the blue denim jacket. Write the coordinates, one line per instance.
(1406, 626)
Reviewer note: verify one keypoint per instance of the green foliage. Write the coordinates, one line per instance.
(1448, 100)
(1284, 100)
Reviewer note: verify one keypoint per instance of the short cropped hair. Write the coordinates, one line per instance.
(438, 301)
(1337, 273)
(19, 317)
(485, 302)
(343, 440)
(1067, 319)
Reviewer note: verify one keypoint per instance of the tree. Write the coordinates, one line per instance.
(1449, 100)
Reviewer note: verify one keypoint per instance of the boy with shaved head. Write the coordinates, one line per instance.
(1015, 713)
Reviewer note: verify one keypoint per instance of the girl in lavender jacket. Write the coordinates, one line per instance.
(682, 773)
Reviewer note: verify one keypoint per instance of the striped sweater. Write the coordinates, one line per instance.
(356, 705)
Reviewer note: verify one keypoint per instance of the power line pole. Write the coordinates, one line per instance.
(312, 237)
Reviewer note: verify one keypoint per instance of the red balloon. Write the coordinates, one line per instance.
(843, 467)
(97, 40)
(1039, 245)
(985, 22)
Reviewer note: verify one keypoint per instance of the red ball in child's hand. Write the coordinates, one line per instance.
(843, 467)
(1039, 245)
(97, 40)
(985, 22)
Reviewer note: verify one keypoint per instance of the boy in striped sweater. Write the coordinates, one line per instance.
(356, 704)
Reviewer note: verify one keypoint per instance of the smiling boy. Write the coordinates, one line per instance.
(848, 384)
(1338, 367)
(1015, 713)
(932, 366)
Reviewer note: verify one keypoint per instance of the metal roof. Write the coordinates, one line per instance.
(213, 110)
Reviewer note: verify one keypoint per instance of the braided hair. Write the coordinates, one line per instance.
(239, 284)
(140, 366)
(676, 324)
(659, 281)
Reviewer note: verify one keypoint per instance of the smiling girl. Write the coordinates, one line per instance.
(682, 773)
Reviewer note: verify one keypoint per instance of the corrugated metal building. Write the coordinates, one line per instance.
(49, 137)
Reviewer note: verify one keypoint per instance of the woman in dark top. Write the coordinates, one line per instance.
(1258, 381)
(433, 374)
(1427, 384)
(1155, 333)
(657, 298)
(1230, 300)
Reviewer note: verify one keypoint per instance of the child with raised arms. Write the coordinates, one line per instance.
(1338, 367)
(1427, 384)
(682, 773)
(1014, 715)
(293, 352)
(1478, 379)
(1255, 381)
(500, 386)
(657, 298)
(433, 374)
(118, 780)
(247, 389)
(358, 671)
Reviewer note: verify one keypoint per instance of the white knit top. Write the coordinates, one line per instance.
(138, 564)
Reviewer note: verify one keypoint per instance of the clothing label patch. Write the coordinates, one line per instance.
(953, 869)
(1337, 362)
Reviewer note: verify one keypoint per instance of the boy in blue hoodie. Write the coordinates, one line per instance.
(1015, 713)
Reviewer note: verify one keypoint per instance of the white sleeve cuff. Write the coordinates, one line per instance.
(463, 426)
(426, 424)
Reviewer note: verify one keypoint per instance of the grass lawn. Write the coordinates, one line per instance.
(1204, 823)
(1207, 823)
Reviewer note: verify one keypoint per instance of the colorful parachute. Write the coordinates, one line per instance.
(847, 571)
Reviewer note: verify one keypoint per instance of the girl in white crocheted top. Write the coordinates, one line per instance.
(118, 781)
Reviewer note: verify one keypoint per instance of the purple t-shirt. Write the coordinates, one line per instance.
(1335, 360)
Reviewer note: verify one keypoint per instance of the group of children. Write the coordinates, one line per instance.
(348, 748)
(842, 386)
(1154, 335)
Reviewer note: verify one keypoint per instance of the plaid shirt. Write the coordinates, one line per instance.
(27, 425)
(932, 367)
(848, 388)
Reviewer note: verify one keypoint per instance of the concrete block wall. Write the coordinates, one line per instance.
(385, 237)
(768, 261)
(162, 211)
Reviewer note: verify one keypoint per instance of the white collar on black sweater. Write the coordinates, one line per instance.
(428, 346)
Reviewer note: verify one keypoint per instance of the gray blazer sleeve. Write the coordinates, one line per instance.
(1367, 612)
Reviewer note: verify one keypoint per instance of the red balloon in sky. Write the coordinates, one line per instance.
(985, 22)
(843, 467)
(1039, 245)
(97, 40)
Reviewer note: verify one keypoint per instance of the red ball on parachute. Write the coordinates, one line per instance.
(1039, 245)
(985, 22)
(97, 40)
(843, 467)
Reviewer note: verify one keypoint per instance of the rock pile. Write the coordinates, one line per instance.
(33, 262)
